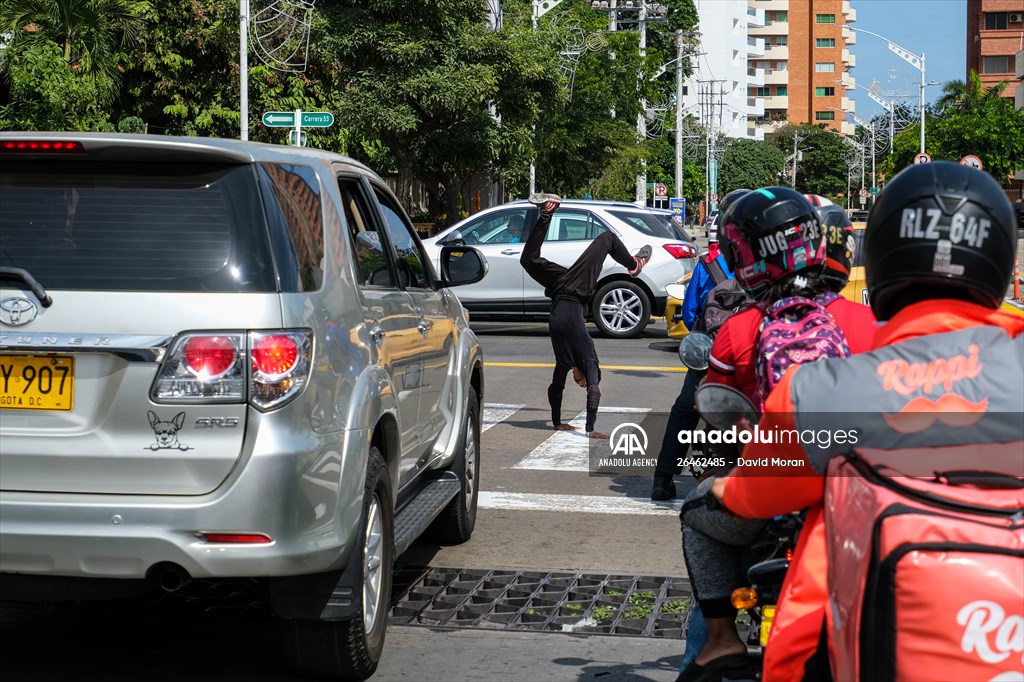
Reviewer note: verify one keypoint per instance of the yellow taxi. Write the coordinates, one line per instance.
(674, 312)
(857, 288)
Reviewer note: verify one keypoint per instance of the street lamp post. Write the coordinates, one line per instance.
(874, 178)
(914, 60)
(647, 12)
(540, 8)
(887, 104)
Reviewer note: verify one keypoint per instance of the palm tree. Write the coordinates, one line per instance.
(969, 95)
(90, 32)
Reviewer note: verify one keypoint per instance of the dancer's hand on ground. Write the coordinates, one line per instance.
(566, 427)
(597, 435)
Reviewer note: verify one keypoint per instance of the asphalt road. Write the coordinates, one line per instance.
(538, 511)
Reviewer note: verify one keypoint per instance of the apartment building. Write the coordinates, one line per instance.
(807, 62)
(995, 33)
(723, 73)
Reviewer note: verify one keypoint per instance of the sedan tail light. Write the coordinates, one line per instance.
(681, 250)
(267, 369)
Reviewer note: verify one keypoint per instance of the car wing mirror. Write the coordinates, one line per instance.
(453, 239)
(461, 265)
(676, 291)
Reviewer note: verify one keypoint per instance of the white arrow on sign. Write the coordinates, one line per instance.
(971, 161)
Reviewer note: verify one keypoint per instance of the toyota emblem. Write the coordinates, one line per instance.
(17, 311)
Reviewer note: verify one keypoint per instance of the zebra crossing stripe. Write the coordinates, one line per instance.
(569, 450)
(589, 504)
(495, 413)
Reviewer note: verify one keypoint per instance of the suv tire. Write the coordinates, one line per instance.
(456, 523)
(350, 650)
(621, 309)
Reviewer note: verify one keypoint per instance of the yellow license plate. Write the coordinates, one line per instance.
(767, 616)
(36, 382)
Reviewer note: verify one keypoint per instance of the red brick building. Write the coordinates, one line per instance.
(995, 33)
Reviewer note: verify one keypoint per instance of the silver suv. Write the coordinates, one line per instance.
(622, 305)
(224, 359)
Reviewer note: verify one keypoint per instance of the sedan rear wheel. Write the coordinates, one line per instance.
(621, 309)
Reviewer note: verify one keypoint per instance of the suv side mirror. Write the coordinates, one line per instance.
(453, 239)
(461, 265)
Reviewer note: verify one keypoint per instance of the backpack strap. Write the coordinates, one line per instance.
(715, 270)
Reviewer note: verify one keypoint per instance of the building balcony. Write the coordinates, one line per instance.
(755, 17)
(776, 77)
(776, 52)
(849, 12)
(755, 77)
(849, 105)
(771, 5)
(849, 36)
(776, 102)
(847, 128)
(755, 46)
(755, 107)
(849, 58)
(776, 29)
(755, 133)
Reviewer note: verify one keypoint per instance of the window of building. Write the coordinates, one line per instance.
(824, 42)
(997, 64)
(763, 91)
(781, 66)
(825, 18)
(782, 41)
(781, 90)
(995, 21)
(824, 92)
(782, 17)
(825, 67)
(824, 115)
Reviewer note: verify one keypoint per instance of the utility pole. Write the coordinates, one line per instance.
(679, 113)
(796, 154)
(243, 67)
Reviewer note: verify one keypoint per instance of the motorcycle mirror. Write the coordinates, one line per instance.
(676, 291)
(694, 350)
(724, 407)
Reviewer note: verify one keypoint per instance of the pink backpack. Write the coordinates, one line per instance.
(795, 331)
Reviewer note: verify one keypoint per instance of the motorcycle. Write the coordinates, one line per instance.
(723, 407)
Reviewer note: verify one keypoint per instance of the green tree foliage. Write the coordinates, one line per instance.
(968, 119)
(750, 164)
(63, 60)
(447, 96)
(822, 166)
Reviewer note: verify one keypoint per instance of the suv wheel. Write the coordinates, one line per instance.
(350, 650)
(621, 309)
(455, 524)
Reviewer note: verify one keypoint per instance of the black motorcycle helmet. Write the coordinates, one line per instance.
(770, 234)
(723, 206)
(939, 230)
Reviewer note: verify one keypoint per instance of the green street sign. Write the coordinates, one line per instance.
(307, 119)
(279, 119)
(874, 191)
(317, 119)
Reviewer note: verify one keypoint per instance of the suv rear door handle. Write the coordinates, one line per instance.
(425, 326)
(377, 334)
(510, 252)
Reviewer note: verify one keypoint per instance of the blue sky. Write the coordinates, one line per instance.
(935, 27)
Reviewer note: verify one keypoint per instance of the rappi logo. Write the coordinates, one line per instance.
(921, 413)
(991, 634)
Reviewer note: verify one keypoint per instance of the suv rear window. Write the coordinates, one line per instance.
(652, 224)
(135, 226)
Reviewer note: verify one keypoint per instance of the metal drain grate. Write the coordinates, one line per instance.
(533, 600)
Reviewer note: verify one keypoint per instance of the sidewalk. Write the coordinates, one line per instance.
(418, 653)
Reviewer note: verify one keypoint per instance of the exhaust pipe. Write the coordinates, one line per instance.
(171, 577)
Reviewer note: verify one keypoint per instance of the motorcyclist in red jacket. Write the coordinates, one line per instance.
(938, 255)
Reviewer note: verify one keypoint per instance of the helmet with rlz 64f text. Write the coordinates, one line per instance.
(939, 230)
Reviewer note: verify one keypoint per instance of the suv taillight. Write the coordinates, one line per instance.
(681, 250)
(280, 366)
(212, 367)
